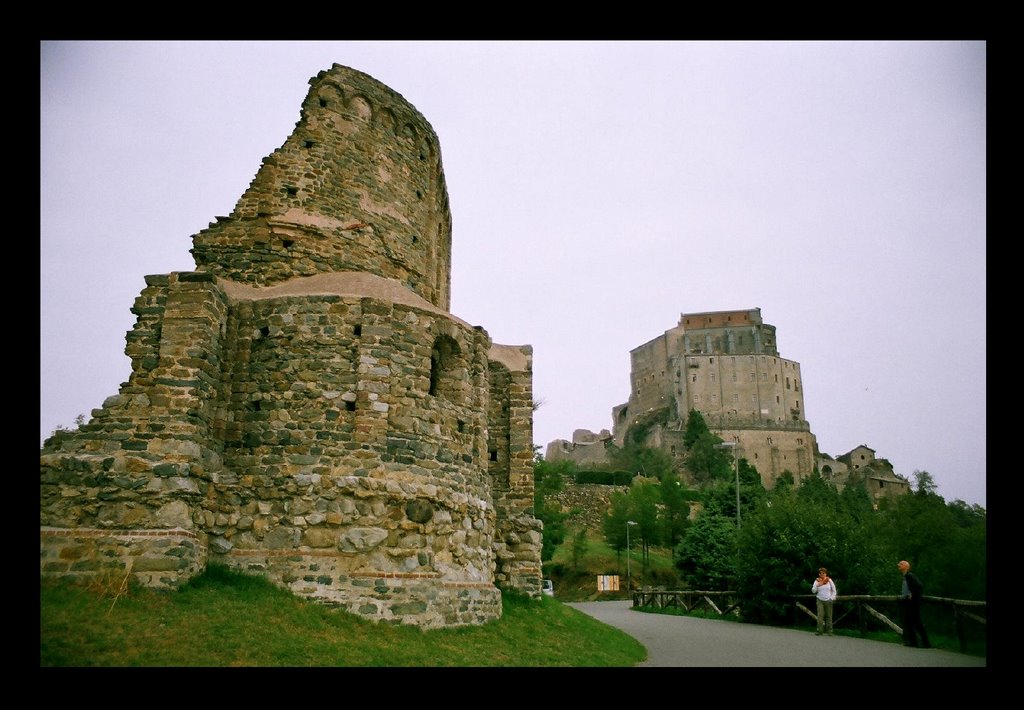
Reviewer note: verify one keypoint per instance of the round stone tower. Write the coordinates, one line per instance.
(358, 186)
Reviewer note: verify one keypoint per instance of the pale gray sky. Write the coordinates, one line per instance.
(598, 190)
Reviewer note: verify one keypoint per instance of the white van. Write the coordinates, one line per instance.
(547, 587)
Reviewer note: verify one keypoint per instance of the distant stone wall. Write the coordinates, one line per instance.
(586, 503)
(588, 454)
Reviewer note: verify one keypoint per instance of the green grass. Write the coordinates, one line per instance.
(581, 584)
(223, 618)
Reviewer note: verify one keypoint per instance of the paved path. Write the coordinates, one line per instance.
(688, 641)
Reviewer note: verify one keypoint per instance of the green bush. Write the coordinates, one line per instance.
(605, 478)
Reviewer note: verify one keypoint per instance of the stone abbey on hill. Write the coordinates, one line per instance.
(726, 365)
(304, 406)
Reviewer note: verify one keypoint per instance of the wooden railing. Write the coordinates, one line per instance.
(863, 607)
(855, 610)
(720, 603)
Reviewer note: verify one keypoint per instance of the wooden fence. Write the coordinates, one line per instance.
(855, 610)
(688, 600)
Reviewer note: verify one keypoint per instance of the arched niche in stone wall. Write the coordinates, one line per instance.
(445, 364)
(388, 121)
(360, 107)
(330, 96)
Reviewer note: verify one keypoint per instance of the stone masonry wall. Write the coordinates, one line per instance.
(341, 454)
(519, 534)
(328, 451)
(358, 186)
(130, 478)
(303, 406)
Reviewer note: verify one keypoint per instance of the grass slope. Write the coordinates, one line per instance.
(223, 618)
(579, 582)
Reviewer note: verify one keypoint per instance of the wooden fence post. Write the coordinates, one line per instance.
(961, 632)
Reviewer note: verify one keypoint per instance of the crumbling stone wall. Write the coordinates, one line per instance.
(358, 186)
(130, 479)
(335, 430)
(510, 462)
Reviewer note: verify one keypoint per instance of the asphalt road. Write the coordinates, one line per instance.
(683, 641)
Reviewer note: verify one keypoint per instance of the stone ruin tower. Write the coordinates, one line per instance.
(304, 406)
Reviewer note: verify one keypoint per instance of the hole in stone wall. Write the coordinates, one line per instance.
(288, 243)
(443, 361)
(493, 454)
(460, 425)
(415, 239)
(350, 406)
(358, 330)
(308, 144)
(419, 195)
(265, 331)
(323, 103)
(292, 191)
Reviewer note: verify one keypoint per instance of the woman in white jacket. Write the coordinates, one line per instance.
(825, 590)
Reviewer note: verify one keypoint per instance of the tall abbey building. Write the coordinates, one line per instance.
(725, 365)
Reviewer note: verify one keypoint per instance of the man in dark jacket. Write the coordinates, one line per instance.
(910, 604)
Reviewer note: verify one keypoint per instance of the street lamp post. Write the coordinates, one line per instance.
(629, 575)
(731, 445)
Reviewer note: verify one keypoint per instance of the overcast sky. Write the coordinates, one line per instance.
(598, 190)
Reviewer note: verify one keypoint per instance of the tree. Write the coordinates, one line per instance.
(675, 511)
(855, 499)
(706, 462)
(815, 489)
(749, 475)
(639, 431)
(614, 524)
(579, 548)
(720, 498)
(644, 498)
(642, 460)
(640, 506)
(548, 480)
(945, 544)
(924, 483)
(695, 428)
(549, 477)
(963, 572)
(784, 481)
(781, 546)
(706, 556)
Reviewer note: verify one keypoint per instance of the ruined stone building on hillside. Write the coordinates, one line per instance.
(304, 406)
(725, 365)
